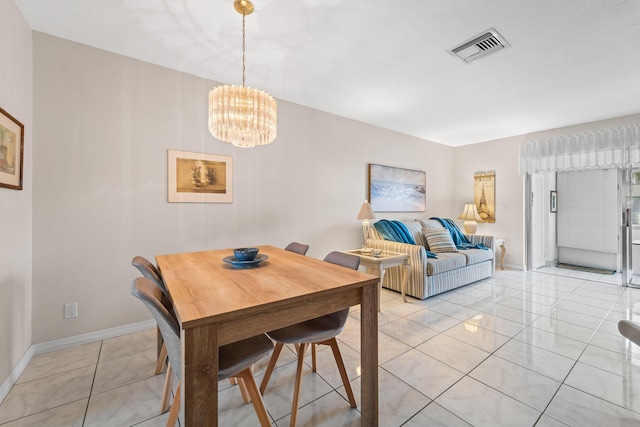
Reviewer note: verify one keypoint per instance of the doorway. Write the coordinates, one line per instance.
(587, 219)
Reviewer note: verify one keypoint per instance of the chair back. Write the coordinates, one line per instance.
(345, 260)
(630, 331)
(148, 270)
(150, 294)
(298, 248)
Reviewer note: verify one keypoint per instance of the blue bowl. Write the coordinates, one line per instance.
(245, 254)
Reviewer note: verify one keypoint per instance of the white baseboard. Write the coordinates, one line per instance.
(63, 343)
(15, 374)
(90, 337)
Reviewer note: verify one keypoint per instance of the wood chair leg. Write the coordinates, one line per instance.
(233, 380)
(246, 396)
(296, 390)
(313, 358)
(162, 359)
(175, 409)
(333, 343)
(166, 391)
(270, 366)
(246, 377)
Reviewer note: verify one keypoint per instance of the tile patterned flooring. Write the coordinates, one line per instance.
(519, 349)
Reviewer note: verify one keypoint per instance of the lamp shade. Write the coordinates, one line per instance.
(470, 213)
(366, 212)
(471, 218)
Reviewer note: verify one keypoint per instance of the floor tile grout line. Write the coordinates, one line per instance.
(93, 381)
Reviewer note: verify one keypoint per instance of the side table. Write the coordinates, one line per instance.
(376, 265)
(503, 248)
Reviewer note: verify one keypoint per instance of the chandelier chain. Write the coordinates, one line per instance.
(244, 59)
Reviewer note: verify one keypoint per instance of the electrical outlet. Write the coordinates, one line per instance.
(71, 310)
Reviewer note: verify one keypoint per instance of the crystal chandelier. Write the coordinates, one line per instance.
(241, 115)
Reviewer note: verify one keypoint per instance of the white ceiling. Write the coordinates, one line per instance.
(385, 62)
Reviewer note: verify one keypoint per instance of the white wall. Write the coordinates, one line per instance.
(502, 157)
(16, 97)
(104, 124)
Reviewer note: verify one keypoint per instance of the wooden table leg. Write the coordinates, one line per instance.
(382, 271)
(405, 280)
(369, 357)
(199, 376)
(504, 252)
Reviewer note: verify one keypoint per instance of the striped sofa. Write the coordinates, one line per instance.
(430, 276)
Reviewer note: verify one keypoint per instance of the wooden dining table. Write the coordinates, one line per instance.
(218, 303)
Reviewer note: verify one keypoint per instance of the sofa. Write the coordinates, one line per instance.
(432, 276)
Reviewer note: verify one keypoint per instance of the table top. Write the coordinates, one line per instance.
(384, 256)
(205, 289)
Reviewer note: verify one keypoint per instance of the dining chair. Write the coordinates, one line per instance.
(235, 359)
(148, 270)
(630, 330)
(298, 248)
(321, 330)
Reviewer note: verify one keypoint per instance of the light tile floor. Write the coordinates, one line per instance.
(519, 349)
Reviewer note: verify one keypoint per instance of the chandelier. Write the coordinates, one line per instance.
(243, 116)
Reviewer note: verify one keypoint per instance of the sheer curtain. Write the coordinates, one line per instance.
(605, 148)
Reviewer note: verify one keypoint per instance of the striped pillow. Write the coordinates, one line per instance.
(439, 240)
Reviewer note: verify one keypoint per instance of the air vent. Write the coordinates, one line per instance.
(479, 46)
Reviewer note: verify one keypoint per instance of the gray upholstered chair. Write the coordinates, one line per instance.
(235, 359)
(322, 330)
(298, 248)
(148, 270)
(630, 330)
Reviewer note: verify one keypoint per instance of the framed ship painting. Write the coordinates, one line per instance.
(394, 189)
(199, 177)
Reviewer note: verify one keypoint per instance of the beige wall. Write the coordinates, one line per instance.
(15, 206)
(104, 124)
(500, 156)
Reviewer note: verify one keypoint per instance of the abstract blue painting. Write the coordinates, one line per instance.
(394, 189)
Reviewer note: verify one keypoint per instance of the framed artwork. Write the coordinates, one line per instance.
(199, 177)
(484, 194)
(397, 190)
(11, 151)
(553, 201)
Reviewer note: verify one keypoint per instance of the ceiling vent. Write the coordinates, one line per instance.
(483, 44)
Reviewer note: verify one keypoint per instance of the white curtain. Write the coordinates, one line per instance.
(605, 148)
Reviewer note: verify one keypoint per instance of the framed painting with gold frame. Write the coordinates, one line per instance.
(11, 151)
(199, 177)
(484, 194)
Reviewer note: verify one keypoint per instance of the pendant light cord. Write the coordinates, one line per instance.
(243, 49)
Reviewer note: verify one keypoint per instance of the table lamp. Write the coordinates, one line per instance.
(366, 213)
(471, 218)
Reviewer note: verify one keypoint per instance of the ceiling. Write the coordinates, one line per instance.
(385, 62)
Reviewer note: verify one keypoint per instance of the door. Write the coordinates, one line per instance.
(537, 220)
(588, 218)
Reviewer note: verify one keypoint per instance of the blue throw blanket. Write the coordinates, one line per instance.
(458, 238)
(394, 231)
(397, 232)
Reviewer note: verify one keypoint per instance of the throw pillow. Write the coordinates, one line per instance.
(439, 240)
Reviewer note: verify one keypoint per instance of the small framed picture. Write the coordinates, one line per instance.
(553, 202)
(11, 151)
(199, 177)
